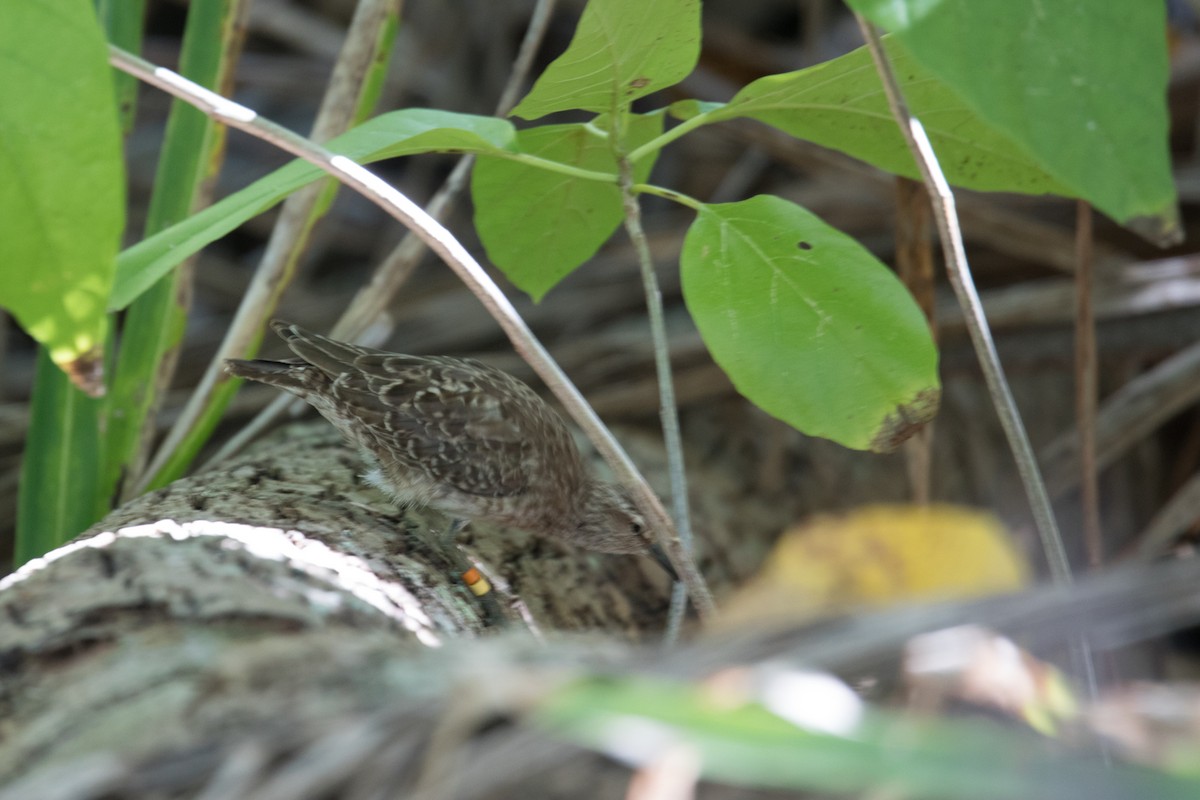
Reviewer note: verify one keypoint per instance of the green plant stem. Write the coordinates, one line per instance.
(59, 493)
(601, 177)
(667, 410)
(559, 167)
(668, 194)
(661, 141)
(451, 251)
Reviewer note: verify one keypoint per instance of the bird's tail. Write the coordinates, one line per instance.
(328, 355)
(290, 375)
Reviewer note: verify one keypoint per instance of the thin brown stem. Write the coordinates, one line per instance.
(1086, 386)
(968, 297)
(914, 264)
(964, 289)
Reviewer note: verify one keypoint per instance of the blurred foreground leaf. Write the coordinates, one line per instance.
(877, 556)
(638, 720)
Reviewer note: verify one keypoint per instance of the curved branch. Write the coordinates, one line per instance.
(451, 251)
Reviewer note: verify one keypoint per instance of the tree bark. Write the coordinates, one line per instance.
(280, 595)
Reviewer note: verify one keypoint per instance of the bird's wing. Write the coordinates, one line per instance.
(463, 424)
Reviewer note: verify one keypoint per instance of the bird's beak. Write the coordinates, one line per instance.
(663, 561)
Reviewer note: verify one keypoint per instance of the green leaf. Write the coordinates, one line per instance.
(622, 50)
(414, 130)
(841, 104)
(62, 196)
(538, 225)
(742, 743)
(59, 493)
(808, 324)
(123, 21)
(1080, 86)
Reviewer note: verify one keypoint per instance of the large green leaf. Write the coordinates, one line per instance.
(808, 324)
(841, 104)
(414, 130)
(62, 194)
(1079, 85)
(622, 50)
(537, 224)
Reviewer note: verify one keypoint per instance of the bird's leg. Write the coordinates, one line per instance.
(469, 574)
(452, 530)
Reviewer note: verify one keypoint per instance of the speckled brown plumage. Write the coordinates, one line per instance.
(457, 435)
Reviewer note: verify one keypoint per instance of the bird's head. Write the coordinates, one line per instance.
(610, 522)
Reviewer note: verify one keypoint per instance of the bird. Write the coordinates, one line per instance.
(458, 436)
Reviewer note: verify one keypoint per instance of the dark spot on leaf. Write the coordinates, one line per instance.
(639, 83)
(906, 420)
(87, 372)
(804, 246)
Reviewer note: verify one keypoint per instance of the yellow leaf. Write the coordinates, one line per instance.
(880, 555)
